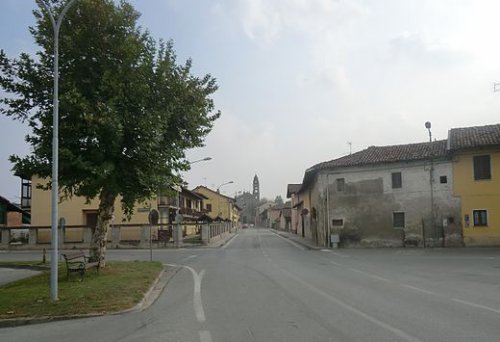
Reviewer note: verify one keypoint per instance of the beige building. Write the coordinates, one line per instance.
(219, 206)
(77, 211)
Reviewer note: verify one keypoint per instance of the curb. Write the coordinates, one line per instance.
(148, 299)
(302, 243)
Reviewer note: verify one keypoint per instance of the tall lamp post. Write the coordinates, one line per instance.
(220, 186)
(200, 160)
(56, 25)
(431, 178)
(228, 204)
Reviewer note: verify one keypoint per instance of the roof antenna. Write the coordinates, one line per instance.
(350, 147)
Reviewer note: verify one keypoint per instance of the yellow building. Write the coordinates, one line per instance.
(476, 180)
(219, 205)
(77, 212)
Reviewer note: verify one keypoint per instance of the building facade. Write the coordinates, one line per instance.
(219, 206)
(384, 196)
(476, 170)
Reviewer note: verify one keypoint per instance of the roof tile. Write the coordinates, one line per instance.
(473, 137)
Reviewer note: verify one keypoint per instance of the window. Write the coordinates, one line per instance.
(340, 184)
(398, 220)
(25, 194)
(443, 179)
(338, 222)
(482, 167)
(3, 215)
(397, 181)
(480, 218)
(209, 207)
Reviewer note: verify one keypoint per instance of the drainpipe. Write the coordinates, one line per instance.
(328, 237)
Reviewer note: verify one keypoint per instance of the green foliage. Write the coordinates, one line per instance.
(128, 110)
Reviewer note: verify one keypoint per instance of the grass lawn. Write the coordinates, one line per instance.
(118, 286)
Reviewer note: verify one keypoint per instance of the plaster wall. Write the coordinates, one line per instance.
(368, 201)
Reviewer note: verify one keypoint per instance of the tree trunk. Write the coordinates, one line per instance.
(104, 217)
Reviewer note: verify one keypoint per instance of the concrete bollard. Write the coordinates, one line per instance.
(205, 234)
(115, 236)
(144, 237)
(5, 236)
(33, 236)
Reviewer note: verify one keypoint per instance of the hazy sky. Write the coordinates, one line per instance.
(300, 78)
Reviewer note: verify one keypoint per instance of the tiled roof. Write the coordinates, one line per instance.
(292, 189)
(473, 137)
(212, 191)
(374, 155)
(389, 154)
(10, 206)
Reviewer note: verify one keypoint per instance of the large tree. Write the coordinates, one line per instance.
(128, 110)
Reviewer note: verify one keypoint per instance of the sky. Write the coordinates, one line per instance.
(299, 79)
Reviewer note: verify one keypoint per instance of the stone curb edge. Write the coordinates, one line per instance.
(306, 245)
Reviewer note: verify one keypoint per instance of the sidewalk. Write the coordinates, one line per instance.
(8, 275)
(297, 238)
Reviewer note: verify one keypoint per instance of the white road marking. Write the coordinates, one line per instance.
(475, 305)
(231, 240)
(189, 257)
(374, 276)
(340, 254)
(432, 293)
(325, 250)
(197, 302)
(398, 332)
(420, 290)
(291, 242)
(205, 336)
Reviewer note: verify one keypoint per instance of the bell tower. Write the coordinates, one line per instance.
(256, 190)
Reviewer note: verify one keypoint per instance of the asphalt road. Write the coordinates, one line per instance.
(262, 287)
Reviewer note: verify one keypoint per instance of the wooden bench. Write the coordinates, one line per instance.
(78, 262)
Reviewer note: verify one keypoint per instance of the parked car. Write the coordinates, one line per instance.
(244, 226)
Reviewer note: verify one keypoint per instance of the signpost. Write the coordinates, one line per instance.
(153, 218)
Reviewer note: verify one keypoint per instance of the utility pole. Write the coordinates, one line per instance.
(431, 178)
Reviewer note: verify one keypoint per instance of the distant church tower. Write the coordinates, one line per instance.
(256, 191)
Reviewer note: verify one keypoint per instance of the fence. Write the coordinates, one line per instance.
(118, 236)
(211, 232)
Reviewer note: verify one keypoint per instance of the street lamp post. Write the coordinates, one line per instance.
(218, 203)
(200, 160)
(431, 179)
(56, 25)
(220, 186)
